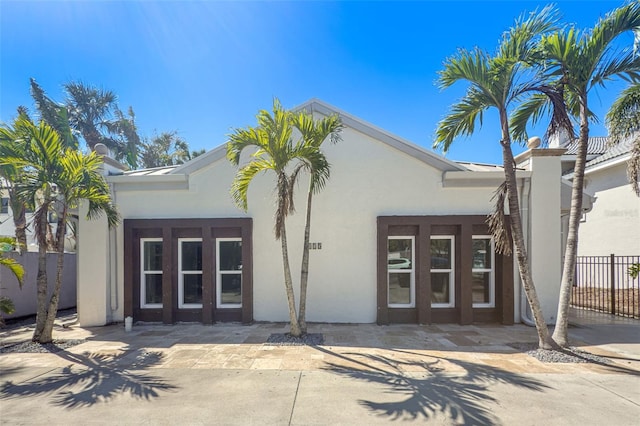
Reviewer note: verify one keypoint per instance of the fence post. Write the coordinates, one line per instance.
(612, 278)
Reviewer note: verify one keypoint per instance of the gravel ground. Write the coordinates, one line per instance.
(286, 339)
(39, 348)
(568, 355)
(64, 316)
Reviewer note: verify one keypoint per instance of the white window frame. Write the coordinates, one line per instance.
(451, 271)
(412, 279)
(182, 273)
(143, 276)
(492, 275)
(219, 274)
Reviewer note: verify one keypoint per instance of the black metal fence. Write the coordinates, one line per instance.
(604, 284)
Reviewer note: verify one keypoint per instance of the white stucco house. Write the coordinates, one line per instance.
(398, 236)
(612, 226)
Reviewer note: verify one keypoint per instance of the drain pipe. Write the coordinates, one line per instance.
(526, 202)
(113, 260)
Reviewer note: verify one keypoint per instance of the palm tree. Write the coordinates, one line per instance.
(314, 133)
(274, 151)
(90, 109)
(579, 62)
(10, 176)
(165, 149)
(54, 174)
(93, 114)
(54, 114)
(126, 141)
(623, 121)
(495, 82)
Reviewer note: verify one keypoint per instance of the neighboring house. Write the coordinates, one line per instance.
(613, 224)
(7, 227)
(398, 236)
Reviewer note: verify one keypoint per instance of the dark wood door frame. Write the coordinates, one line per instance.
(170, 230)
(463, 227)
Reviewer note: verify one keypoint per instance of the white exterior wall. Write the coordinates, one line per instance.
(93, 270)
(368, 179)
(613, 225)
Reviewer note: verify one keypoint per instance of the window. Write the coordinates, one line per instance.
(151, 273)
(189, 273)
(229, 273)
(4, 205)
(400, 272)
(442, 271)
(483, 276)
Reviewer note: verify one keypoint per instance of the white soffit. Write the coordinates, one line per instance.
(466, 179)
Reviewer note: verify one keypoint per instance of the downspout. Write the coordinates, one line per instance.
(526, 202)
(113, 260)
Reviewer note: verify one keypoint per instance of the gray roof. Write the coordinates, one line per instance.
(612, 152)
(151, 172)
(480, 167)
(595, 146)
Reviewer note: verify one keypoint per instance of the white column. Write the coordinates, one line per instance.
(93, 269)
(545, 227)
(96, 254)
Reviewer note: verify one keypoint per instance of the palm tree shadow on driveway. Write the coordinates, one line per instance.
(463, 397)
(95, 378)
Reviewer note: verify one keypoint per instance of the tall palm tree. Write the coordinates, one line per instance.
(10, 176)
(56, 115)
(580, 61)
(273, 151)
(54, 173)
(496, 82)
(90, 109)
(623, 121)
(126, 141)
(314, 133)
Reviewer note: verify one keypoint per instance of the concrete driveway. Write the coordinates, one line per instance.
(363, 374)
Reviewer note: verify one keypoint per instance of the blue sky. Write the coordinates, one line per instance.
(203, 68)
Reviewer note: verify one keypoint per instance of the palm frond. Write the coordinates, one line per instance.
(244, 176)
(14, 267)
(623, 19)
(626, 67)
(623, 121)
(461, 120)
(499, 225)
(623, 118)
(518, 42)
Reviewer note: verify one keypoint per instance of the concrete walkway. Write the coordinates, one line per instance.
(363, 374)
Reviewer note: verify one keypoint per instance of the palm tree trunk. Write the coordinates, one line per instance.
(304, 269)
(41, 280)
(47, 332)
(544, 340)
(288, 284)
(560, 332)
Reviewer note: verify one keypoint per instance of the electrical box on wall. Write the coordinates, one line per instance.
(315, 246)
